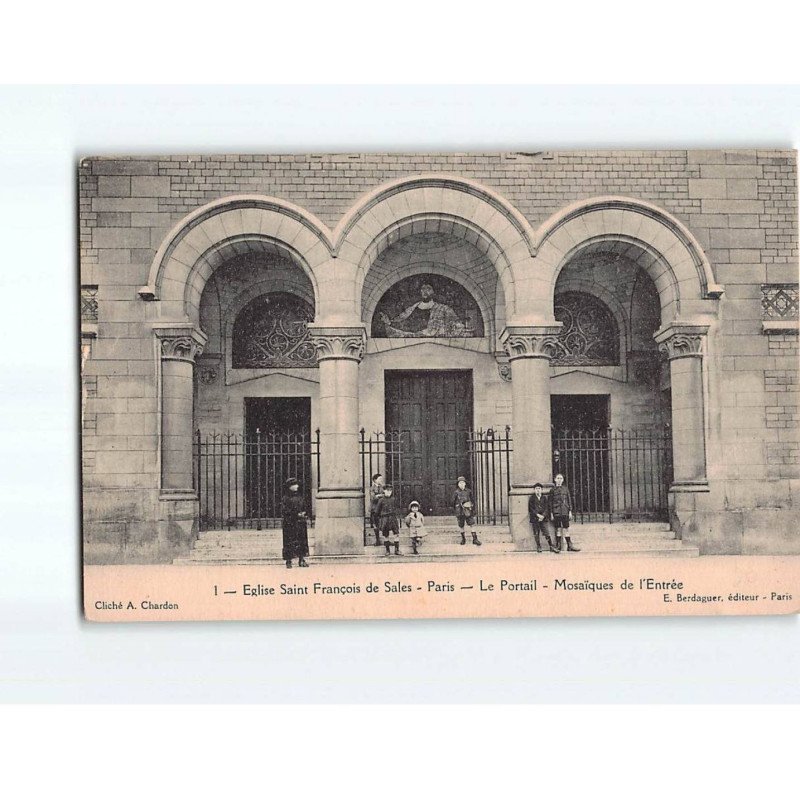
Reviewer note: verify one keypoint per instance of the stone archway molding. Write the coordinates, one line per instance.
(561, 236)
(230, 221)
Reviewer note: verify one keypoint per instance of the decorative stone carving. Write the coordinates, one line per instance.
(208, 375)
(779, 301)
(681, 341)
(334, 342)
(89, 304)
(590, 336)
(504, 368)
(180, 343)
(530, 341)
(272, 331)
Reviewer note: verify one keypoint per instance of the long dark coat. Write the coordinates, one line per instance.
(295, 529)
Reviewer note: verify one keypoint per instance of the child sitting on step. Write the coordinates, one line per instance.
(415, 523)
(465, 510)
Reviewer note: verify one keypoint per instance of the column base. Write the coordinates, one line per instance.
(339, 523)
(519, 522)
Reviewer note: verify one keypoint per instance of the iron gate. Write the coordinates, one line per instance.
(489, 453)
(490, 473)
(240, 480)
(615, 474)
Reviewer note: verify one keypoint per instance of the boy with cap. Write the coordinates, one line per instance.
(415, 523)
(465, 510)
(539, 514)
(561, 509)
(387, 512)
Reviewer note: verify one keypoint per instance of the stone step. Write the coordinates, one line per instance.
(477, 554)
(596, 540)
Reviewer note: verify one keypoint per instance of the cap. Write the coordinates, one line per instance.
(461, 478)
(412, 504)
(292, 482)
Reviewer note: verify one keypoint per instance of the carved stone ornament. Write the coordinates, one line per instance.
(504, 368)
(208, 375)
(272, 331)
(590, 336)
(530, 341)
(681, 341)
(88, 303)
(347, 343)
(780, 301)
(180, 344)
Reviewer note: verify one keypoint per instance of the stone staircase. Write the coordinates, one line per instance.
(596, 540)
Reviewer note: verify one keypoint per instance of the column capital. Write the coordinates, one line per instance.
(180, 342)
(681, 340)
(338, 342)
(530, 341)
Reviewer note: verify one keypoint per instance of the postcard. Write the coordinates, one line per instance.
(364, 385)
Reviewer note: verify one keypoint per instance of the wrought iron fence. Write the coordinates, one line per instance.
(240, 480)
(490, 473)
(615, 474)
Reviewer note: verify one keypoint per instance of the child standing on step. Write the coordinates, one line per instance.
(465, 510)
(415, 523)
(539, 515)
(561, 509)
(375, 494)
(388, 514)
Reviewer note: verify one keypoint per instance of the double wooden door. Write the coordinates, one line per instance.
(431, 410)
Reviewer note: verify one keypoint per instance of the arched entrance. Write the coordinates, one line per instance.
(613, 229)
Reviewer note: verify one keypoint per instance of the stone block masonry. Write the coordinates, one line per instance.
(739, 205)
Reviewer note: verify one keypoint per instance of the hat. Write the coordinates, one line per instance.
(389, 487)
(538, 484)
(292, 482)
(412, 504)
(461, 478)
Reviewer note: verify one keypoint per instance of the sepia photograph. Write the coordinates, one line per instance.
(321, 360)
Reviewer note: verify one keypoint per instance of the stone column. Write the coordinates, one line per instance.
(178, 346)
(683, 345)
(529, 350)
(340, 497)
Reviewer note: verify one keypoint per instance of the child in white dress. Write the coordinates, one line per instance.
(415, 523)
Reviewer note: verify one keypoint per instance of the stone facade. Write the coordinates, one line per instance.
(694, 254)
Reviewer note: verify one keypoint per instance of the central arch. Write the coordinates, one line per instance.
(428, 204)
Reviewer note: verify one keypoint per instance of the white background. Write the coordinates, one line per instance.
(47, 653)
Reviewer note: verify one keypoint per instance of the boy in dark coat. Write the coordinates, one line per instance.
(295, 530)
(539, 514)
(465, 510)
(388, 512)
(375, 494)
(561, 509)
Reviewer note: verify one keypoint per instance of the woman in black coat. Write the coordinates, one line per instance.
(295, 529)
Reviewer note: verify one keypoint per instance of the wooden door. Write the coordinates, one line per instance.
(432, 411)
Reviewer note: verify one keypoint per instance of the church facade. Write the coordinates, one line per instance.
(628, 319)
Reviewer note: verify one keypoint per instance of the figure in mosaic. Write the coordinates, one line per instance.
(424, 318)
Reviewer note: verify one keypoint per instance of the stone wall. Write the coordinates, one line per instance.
(740, 205)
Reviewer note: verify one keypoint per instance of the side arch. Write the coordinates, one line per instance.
(204, 239)
(664, 247)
